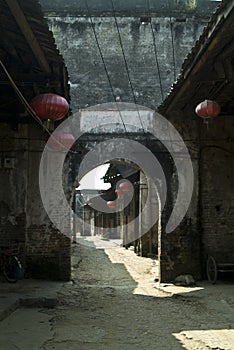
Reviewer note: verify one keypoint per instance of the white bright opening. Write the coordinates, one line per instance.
(93, 179)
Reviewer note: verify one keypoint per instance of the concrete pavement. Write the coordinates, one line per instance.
(28, 293)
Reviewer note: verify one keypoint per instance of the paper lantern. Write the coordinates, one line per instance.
(119, 193)
(111, 204)
(125, 186)
(49, 106)
(207, 109)
(61, 141)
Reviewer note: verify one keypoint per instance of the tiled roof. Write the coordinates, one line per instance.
(214, 25)
(28, 50)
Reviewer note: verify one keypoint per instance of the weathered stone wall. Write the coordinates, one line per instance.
(216, 189)
(48, 250)
(181, 249)
(207, 228)
(45, 251)
(153, 53)
(13, 183)
(133, 7)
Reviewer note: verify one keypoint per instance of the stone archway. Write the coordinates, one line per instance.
(92, 137)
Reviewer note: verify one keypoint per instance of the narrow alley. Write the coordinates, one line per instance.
(116, 175)
(112, 303)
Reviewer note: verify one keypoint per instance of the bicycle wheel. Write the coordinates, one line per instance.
(12, 268)
(211, 269)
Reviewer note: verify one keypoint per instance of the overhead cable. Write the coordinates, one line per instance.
(155, 52)
(103, 62)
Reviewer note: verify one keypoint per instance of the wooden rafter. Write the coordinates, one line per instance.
(28, 34)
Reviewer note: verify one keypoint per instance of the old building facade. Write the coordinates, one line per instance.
(133, 53)
(125, 49)
(30, 65)
(126, 52)
(207, 74)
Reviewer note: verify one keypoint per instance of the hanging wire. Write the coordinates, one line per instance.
(172, 40)
(33, 114)
(21, 97)
(103, 62)
(127, 70)
(155, 52)
(29, 109)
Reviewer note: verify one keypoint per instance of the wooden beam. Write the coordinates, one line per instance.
(8, 43)
(28, 34)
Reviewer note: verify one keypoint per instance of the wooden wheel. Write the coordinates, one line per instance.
(211, 270)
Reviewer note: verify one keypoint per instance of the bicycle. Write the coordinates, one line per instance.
(10, 264)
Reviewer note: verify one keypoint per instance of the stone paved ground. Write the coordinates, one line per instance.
(113, 304)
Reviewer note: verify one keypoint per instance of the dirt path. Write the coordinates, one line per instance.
(112, 304)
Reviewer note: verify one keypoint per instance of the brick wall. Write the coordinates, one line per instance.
(207, 228)
(13, 160)
(44, 250)
(48, 253)
(181, 249)
(217, 183)
(48, 250)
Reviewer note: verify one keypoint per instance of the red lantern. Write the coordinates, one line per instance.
(125, 186)
(119, 193)
(61, 141)
(49, 106)
(111, 204)
(207, 109)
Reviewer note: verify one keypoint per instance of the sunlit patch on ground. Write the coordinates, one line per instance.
(212, 338)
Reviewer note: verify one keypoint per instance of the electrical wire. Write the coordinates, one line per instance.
(21, 97)
(103, 62)
(127, 70)
(45, 128)
(155, 51)
(33, 114)
(29, 109)
(172, 40)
